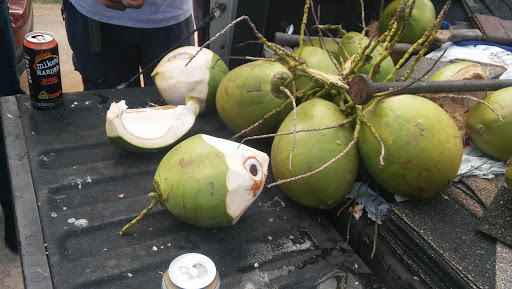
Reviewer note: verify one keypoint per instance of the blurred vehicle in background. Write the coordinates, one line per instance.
(22, 18)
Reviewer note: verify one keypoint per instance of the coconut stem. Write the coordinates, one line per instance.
(294, 124)
(346, 121)
(335, 27)
(428, 38)
(376, 134)
(357, 61)
(322, 40)
(349, 146)
(144, 212)
(363, 23)
(303, 24)
(340, 31)
(385, 42)
(261, 38)
(339, 46)
(360, 57)
(286, 102)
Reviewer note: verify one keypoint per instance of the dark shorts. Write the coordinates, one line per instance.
(126, 50)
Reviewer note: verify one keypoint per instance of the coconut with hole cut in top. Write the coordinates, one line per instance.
(208, 181)
(182, 73)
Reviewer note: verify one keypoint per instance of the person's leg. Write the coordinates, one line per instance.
(155, 42)
(9, 78)
(88, 65)
(120, 54)
(9, 85)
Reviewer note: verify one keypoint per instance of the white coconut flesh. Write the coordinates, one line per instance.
(247, 170)
(176, 80)
(150, 127)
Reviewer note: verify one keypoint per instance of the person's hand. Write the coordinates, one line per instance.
(133, 3)
(122, 4)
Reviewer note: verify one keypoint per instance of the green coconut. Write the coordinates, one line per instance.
(207, 181)
(458, 108)
(333, 47)
(326, 188)
(149, 128)
(488, 132)
(175, 79)
(315, 58)
(422, 17)
(350, 43)
(249, 92)
(423, 147)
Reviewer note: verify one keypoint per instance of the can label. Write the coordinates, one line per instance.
(43, 69)
(191, 270)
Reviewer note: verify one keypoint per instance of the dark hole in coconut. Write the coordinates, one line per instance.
(254, 169)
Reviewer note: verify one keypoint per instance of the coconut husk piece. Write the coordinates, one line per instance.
(458, 108)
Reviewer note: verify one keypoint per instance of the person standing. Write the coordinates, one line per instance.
(112, 40)
(9, 85)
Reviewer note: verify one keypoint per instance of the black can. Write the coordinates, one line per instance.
(43, 69)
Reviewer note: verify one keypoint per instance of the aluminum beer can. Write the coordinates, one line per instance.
(191, 271)
(43, 69)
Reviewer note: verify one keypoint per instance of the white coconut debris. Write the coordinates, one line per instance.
(79, 223)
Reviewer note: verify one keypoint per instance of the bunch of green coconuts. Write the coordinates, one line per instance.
(408, 144)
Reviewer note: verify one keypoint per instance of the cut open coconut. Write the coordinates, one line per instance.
(208, 181)
(149, 128)
(182, 73)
